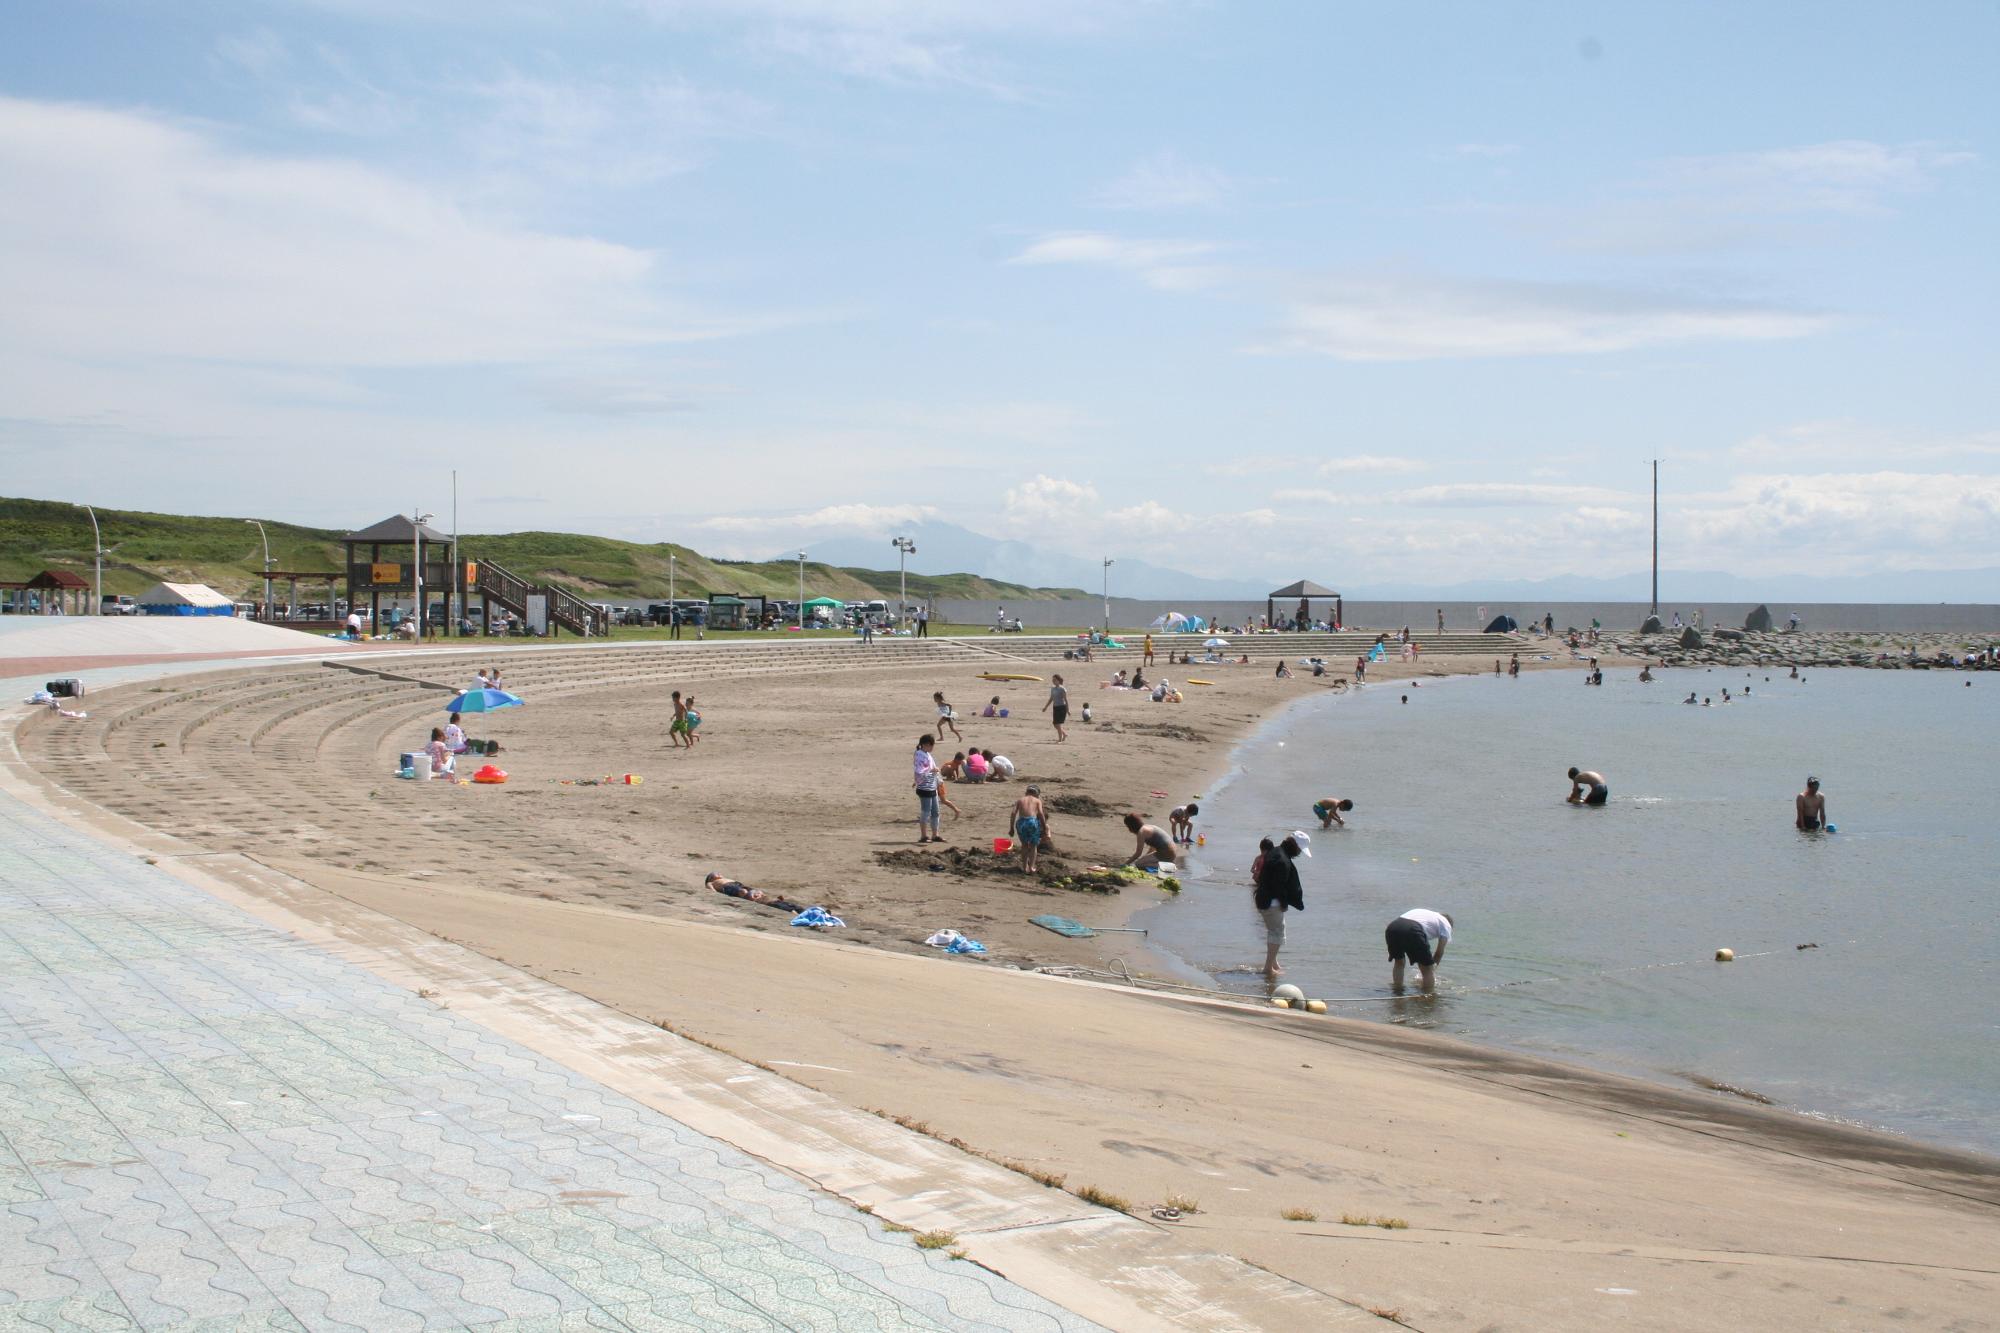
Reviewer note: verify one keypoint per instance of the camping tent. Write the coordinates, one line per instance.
(1172, 621)
(185, 599)
(830, 603)
(1502, 625)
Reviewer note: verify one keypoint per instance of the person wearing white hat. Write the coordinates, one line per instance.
(1278, 891)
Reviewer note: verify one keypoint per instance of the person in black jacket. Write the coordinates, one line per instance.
(1278, 890)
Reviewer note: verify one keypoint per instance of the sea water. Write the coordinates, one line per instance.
(1589, 935)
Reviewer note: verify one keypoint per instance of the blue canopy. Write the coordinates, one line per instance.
(483, 701)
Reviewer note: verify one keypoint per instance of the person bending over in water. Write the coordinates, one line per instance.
(1153, 847)
(1027, 826)
(1579, 778)
(1811, 806)
(1180, 822)
(1330, 808)
(1417, 936)
(736, 889)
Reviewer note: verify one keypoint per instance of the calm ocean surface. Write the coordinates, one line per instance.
(1608, 919)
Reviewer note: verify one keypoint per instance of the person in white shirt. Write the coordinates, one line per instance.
(454, 736)
(1417, 936)
(481, 681)
(999, 767)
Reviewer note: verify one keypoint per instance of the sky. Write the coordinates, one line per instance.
(1355, 292)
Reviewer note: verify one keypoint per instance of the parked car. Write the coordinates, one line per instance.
(118, 604)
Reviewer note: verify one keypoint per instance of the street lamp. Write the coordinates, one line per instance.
(97, 554)
(267, 568)
(802, 589)
(905, 548)
(417, 570)
(673, 611)
(1108, 563)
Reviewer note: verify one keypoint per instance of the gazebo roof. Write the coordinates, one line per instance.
(1304, 588)
(60, 579)
(396, 528)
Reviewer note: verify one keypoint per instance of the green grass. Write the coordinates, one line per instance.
(227, 554)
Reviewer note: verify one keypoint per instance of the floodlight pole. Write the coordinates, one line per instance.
(905, 548)
(802, 589)
(672, 610)
(97, 554)
(1108, 563)
(417, 570)
(1656, 537)
(267, 567)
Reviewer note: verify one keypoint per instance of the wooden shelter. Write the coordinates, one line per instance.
(62, 593)
(1307, 592)
(370, 575)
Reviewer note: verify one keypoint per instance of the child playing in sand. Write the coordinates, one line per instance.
(992, 707)
(1086, 714)
(1027, 826)
(454, 736)
(1329, 810)
(999, 768)
(677, 732)
(1180, 823)
(954, 767)
(946, 718)
(975, 767)
(442, 764)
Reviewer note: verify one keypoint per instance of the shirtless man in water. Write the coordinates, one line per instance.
(1811, 805)
(1579, 778)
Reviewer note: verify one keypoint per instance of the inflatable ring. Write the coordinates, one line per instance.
(1001, 675)
(1193, 681)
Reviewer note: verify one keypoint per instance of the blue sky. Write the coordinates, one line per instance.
(1366, 292)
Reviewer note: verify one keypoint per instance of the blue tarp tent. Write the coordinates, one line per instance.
(1502, 625)
(185, 599)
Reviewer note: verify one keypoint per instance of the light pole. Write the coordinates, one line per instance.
(97, 555)
(417, 570)
(1656, 537)
(1108, 563)
(802, 589)
(673, 611)
(267, 568)
(905, 548)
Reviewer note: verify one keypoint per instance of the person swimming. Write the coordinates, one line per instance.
(1810, 807)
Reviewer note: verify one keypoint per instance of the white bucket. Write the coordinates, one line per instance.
(416, 761)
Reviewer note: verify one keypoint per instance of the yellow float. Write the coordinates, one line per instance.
(1193, 681)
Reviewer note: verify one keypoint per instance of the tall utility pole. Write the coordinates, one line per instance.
(672, 610)
(417, 571)
(457, 584)
(802, 588)
(1108, 563)
(1656, 537)
(97, 554)
(268, 615)
(905, 548)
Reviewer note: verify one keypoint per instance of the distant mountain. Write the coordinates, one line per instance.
(1682, 587)
(946, 546)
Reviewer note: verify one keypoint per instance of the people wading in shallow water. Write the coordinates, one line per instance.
(1579, 778)
(1278, 891)
(1810, 807)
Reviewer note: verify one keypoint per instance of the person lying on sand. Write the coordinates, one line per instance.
(1153, 847)
(736, 889)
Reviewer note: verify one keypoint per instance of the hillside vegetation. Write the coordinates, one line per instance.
(226, 554)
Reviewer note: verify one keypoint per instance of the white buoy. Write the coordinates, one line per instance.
(1289, 992)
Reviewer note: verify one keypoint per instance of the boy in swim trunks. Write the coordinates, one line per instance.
(1811, 807)
(1180, 823)
(1329, 809)
(1579, 778)
(678, 732)
(1027, 825)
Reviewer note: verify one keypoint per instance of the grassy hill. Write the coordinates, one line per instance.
(226, 554)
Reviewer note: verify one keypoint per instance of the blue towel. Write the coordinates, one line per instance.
(817, 916)
(964, 945)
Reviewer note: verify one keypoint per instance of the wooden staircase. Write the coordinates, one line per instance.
(501, 586)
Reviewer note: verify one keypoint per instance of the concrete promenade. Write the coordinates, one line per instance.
(209, 1123)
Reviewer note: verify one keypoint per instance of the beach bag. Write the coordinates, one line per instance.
(68, 688)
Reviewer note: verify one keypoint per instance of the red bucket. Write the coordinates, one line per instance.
(1002, 846)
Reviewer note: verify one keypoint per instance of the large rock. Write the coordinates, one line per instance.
(1652, 626)
(1734, 635)
(1758, 621)
(1691, 638)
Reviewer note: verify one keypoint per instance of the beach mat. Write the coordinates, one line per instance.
(1062, 925)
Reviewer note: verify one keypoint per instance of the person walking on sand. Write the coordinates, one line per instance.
(1440, 620)
(1058, 705)
(1811, 807)
(946, 718)
(1330, 808)
(1146, 650)
(1026, 825)
(925, 777)
(1579, 778)
(1417, 936)
(1153, 846)
(1278, 892)
(678, 731)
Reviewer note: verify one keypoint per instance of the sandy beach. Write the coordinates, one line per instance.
(1535, 1195)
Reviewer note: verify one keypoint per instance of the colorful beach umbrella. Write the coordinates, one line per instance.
(483, 701)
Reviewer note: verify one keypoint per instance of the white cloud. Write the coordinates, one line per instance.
(1852, 520)
(1165, 182)
(869, 520)
(1161, 263)
(1823, 442)
(1842, 176)
(1046, 500)
(613, 134)
(1370, 465)
(1422, 318)
(1504, 494)
(122, 235)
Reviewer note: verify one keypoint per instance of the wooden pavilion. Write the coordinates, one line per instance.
(382, 559)
(1307, 592)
